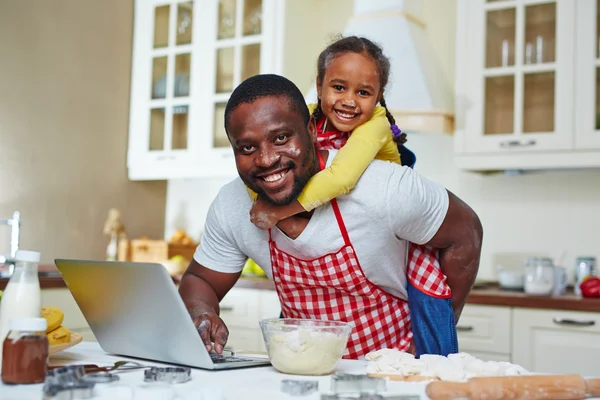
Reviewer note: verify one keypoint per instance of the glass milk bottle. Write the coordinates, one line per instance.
(22, 295)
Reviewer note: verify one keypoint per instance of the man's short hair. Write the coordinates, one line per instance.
(264, 85)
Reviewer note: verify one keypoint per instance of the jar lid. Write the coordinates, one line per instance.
(28, 324)
(27, 255)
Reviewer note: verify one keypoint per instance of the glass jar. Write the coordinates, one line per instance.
(25, 351)
(539, 276)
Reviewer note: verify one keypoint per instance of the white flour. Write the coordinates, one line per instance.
(305, 352)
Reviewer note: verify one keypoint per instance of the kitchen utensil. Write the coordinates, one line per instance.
(531, 387)
(117, 367)
(305, 346)
(75, 339)
(353, 383)
(539, 277)
(299, 387)
(168, 374)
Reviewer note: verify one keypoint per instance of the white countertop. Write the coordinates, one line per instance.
(257, 383)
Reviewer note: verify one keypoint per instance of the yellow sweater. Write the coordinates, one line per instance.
(373, 139)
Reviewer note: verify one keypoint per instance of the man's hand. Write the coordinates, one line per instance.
(263, 214)
(212, 329)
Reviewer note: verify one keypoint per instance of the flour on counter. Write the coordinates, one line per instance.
(306, 352)
(457, 367)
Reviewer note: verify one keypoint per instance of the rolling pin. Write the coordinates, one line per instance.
(530, 387)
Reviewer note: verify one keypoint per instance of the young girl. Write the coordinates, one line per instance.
(348, 118)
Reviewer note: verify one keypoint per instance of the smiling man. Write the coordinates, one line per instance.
(346, 260)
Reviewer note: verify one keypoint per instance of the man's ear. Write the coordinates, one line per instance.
(312, 129)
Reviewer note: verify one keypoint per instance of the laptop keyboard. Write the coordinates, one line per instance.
(220, 359)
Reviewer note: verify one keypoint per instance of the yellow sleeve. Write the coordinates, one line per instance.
(371, 140)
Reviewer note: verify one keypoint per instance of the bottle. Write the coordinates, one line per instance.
(584, 267)
(25, 350)
(22, 296)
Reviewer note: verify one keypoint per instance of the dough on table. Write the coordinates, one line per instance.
(459, 367)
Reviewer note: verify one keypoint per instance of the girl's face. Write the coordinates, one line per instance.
(350, 90)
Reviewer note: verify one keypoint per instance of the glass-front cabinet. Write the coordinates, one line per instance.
(527, 84)
(188, 56)
(587, 71)
(522, 71)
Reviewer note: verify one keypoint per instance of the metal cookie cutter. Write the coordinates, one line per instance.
(349, 383)
(168, 374)
(78, 390)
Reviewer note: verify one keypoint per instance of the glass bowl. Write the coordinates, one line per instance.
(305, 346)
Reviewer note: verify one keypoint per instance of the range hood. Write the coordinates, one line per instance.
(418, 94)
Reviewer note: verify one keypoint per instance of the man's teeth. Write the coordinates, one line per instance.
(274, 177)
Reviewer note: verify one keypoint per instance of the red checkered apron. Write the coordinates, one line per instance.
(334, 287)
(424, 270)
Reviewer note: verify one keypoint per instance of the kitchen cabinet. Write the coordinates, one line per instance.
(74, 319)
(485, 332)
(188, 56)
(557, 341)
(526, 85)
(242, 309)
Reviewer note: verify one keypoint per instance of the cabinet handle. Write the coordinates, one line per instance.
(226, 308)
(464, 328)
(574, 322)
(516, 143)
(164, 158)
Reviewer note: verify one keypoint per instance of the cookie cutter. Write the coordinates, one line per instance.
(369, 396)
(168, 374)
(78, 390)
(342, 383)
(299, 387)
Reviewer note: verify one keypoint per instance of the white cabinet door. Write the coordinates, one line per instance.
(188, 56)
(554, 341)
(520, 69)
(587, 99)
(485, 329)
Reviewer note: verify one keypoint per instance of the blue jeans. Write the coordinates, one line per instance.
(433, 323)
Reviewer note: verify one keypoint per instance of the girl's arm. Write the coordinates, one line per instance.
(371, 140)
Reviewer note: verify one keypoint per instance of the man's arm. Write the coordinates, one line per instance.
(201, 290)
(459, 240)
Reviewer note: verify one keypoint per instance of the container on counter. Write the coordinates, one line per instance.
(584, 266)
(22, 295)
(25, 352)
(539, 276)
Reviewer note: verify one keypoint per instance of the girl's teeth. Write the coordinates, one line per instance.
(344, 115)
(274, 177)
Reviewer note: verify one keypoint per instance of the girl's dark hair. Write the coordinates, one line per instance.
(358, 45)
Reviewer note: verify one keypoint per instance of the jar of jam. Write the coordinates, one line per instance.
(25, 351)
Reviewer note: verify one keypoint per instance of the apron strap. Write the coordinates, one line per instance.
(336, 208)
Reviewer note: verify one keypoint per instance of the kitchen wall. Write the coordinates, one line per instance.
(64, 105)
(543, 213)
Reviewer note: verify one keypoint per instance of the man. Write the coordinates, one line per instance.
(346, 260)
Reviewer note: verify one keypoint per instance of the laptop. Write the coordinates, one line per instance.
(134, 310)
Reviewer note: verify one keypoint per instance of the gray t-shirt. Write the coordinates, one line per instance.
(389, 206)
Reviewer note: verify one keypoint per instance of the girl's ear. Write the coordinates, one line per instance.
(312, 129)
(380, 96)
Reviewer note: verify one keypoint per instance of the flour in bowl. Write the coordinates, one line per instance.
(306, 352)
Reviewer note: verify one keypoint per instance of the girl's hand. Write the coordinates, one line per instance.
(264, 215)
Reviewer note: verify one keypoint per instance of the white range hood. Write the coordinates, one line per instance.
(418, 94)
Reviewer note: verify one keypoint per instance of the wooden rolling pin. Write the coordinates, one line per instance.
(525, 387)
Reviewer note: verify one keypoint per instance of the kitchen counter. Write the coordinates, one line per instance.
(257, 383)
(484, 294)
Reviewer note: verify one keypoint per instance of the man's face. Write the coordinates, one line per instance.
(273, 148)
